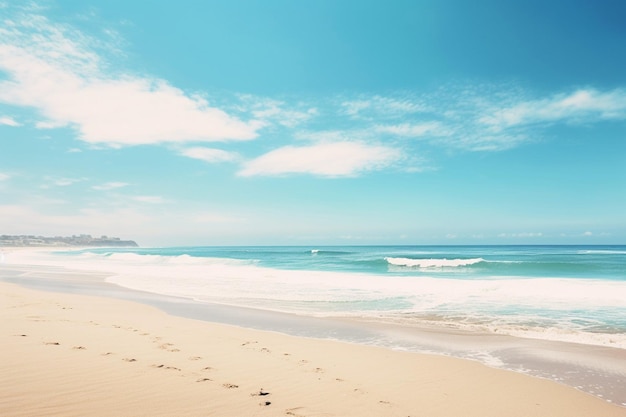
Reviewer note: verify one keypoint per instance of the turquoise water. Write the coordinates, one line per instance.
(571, 293)
(585, 262)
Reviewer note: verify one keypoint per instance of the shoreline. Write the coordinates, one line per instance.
(591, 369)
(77, 354)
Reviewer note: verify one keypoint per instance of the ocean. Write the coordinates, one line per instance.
(565, 293)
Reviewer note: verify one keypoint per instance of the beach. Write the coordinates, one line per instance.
(76, 355)
(72, 354)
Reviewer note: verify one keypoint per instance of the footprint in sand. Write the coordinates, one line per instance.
(261, 393)
(79, 348)
(230, 386)
(292, 412)
(195, 358)
(129, 360)
(168, 347)
(52, 343)
(173, 368)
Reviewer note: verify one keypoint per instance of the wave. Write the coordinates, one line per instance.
(602, 252)
(329, 252)
(433, 263)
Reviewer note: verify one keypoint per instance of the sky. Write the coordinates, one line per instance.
(314, 122)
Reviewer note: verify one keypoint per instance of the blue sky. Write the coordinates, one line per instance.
(314, 122)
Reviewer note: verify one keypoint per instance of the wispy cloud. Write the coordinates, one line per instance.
(110, 186)
(4, 177)
(9, 121)
(209, 154)
(578, 106)
(430, 128)
(60, 182)
(520, 235)
(376, 105)
(336, 159)
(150, 199)
(270, 111)
(56, 71)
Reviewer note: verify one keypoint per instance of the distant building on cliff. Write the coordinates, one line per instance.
(80, 240)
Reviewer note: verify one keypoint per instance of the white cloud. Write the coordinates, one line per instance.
(325, 159)
(54, 71)
(110, 186)
(4, 177)
(60, 182)
(581, 105)
(209, 155)
(9, 121)
(432, 128)
(333, 135)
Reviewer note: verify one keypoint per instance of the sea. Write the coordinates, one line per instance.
(567, 293)
(557, 312)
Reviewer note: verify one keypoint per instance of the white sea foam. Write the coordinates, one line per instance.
(433, 263)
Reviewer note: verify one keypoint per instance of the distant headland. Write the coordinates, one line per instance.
(79, 240)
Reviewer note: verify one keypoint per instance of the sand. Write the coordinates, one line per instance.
(78, 355)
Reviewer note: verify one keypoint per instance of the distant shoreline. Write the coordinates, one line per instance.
(64, 241)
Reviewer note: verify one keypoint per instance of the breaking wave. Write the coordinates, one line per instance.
(433, 263)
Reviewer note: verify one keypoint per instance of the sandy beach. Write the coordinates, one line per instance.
(77, 355)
